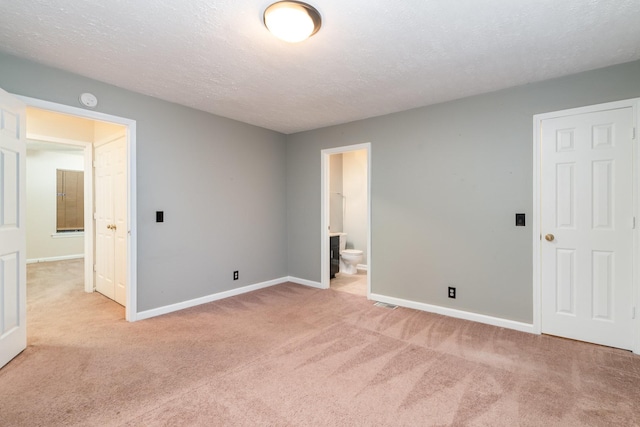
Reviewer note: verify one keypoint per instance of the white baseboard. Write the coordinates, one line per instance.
(305, 282)
(452, 312)
(209, 298)
(54, 258)
(364, 267)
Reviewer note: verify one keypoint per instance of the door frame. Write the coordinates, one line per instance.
(326, 214)
(537, 214)
(132, 286)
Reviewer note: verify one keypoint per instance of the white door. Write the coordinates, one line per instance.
(586, 226)
(111, 219)
(13, 275)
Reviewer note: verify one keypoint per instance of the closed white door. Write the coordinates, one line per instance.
(586, 225)
(13, 276)
(111, 220)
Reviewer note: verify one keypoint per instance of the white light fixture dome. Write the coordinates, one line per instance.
(292, 21)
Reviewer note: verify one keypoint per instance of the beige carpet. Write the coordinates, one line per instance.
(291, 355)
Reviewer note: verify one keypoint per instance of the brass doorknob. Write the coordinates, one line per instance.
(109, 226)
(549, 237)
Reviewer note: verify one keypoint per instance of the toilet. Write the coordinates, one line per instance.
(349, 258)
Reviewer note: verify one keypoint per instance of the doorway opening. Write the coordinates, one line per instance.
(346, 219)
(100, 130)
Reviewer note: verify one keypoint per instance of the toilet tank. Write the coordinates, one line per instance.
(343, 241)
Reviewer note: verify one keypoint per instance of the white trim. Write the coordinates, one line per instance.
(325, 214)
(459, 314)
(362, 267)
(67, 235)
(74, 111)
(537, 291)
(54, 258)
(132, 255)
(537, 262)
(57, 140)
(206, 299)
(132, 218)
(305, 282)
(636, 232)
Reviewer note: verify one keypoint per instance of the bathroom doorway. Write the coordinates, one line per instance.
(346, 219)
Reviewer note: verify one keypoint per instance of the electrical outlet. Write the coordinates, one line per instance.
(452, 292)
(235, 275)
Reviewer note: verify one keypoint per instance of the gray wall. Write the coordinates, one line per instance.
(447, 181)
(220, 182)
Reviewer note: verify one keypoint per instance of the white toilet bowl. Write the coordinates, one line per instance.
(349, 259)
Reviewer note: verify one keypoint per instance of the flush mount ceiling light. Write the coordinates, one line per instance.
(292, 21)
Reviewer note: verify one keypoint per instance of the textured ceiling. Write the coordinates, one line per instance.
(371, 57)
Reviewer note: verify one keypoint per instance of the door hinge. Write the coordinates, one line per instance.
(95, 215)
(95, 268)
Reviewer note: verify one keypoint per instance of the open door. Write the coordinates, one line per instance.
(111, 220)
(13, 271)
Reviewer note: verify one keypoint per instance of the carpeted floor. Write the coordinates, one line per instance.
(292, 355)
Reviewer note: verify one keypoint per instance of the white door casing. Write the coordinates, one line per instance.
(131, 313)
(111, 220)
(13, 276)
(120, 218)
(325, 213)
(586, 226)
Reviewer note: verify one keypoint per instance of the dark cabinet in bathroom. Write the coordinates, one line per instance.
(334, 255)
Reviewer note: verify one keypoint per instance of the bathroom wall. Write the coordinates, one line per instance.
(354, 188)
(43, 244)
(335, 193)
